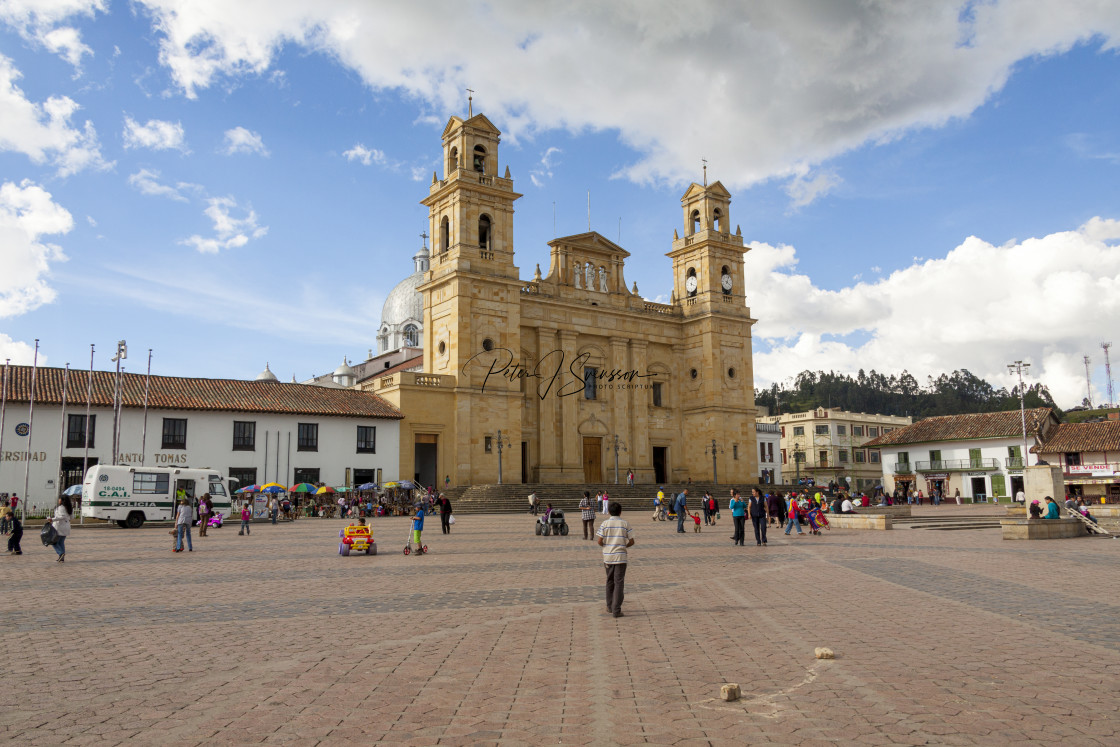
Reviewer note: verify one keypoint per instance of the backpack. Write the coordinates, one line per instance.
(49, 535)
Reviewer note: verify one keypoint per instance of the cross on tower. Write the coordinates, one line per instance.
(705, 160)
(470, 103)
(424, 237)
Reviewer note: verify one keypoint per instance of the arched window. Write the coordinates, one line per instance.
(484, 231)
(452, 160)
(444, 235)
(690, 282)
(694, 222)
(725, 280)
(411, 336)
(480, 159)
(717, 220)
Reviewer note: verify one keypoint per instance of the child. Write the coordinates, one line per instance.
(246, 515)
(418, 528)
(696, 518)
(17, 535)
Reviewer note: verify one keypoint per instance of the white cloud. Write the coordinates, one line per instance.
(27, 214)
(785, 85)
(147, 181)
(43, 131)
(20, 353)
(40, 21)
(229, 232)
(1046, 300)
(366, 156)
(156, 134)
(543, 170)
(241, 140)
(804, 188)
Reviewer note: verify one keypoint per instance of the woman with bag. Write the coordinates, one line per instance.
(61, 523)
(445, 513)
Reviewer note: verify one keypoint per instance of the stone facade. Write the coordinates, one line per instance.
(555, 376)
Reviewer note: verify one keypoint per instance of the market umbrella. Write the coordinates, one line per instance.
(73, 490)
(407, 484)
(302, 487)
(272, 489)
(392, 484)
(267, 485)
(368, 486)
(249, 489)
(325, 489)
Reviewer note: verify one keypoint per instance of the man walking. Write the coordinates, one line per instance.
(445, 513)
(587, 514)
(273, 507)
(756, 507)
(183, 526)
(615, 535)
(681, 506)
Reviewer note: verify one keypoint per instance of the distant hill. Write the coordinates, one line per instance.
(1078, 415)
(949, 394)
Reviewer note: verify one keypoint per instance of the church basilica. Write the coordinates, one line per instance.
(550, 380)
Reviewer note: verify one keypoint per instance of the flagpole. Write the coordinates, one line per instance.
(30, 429)
(62, 427)
(147, 388)
(4, 406)
(87, 430)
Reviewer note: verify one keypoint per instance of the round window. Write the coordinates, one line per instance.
(487, 344)
(442, 348)
(731, 373)
(693, 373)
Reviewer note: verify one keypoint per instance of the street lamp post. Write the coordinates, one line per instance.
(714, 449)
(619, 445)
(1018, 367)
(507, 442)
(797, 460)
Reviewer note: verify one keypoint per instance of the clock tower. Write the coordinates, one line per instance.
(709, 286)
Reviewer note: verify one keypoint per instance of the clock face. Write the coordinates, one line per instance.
(726, 282)
(690, 284)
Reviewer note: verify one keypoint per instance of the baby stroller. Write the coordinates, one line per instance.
(817, 521)
(554, 523)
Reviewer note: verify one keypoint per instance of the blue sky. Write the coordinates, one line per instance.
(929, 187)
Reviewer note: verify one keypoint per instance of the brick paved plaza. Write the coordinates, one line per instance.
(499, 636)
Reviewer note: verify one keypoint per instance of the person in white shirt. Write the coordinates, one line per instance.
(846, 507)
(183, 520)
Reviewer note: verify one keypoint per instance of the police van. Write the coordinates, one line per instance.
(132, 495)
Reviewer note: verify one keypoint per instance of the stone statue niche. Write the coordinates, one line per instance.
(603, 279)
(589, 276)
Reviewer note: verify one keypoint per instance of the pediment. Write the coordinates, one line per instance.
(452, 125)
(715, 189)
(480, 122)
(591, 243)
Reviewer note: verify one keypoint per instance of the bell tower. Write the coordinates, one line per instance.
(708, 259)
(471, 208)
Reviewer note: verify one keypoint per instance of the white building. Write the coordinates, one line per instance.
(979, 454)
(769, 453)
(253, 431)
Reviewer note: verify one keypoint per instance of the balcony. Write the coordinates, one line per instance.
(903, 468)
(956, 465)
(1013, 462)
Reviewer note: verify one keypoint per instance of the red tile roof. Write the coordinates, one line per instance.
(1081, 437)
(177, 393)
(969, 427)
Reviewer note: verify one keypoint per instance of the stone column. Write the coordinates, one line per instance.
(641, 454)
(571, 447)
(550, 456)
(620, 408)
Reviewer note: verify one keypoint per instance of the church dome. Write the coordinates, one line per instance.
(404, 302)
(403, 313)
(344, 369)
(266, 375)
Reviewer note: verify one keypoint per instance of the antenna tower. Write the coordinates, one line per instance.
(1088, 383)
(1108, 371)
